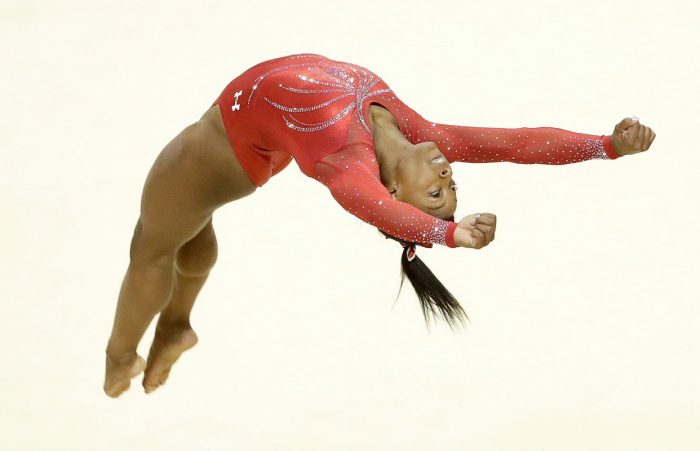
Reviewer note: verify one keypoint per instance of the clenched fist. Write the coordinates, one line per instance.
(631, 137)
(476, 231)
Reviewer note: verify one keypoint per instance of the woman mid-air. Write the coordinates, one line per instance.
(344, 127)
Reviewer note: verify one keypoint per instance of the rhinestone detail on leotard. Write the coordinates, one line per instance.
(352, 83)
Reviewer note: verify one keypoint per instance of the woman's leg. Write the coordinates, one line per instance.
(195, 174)
(174, 333)
(193, 262)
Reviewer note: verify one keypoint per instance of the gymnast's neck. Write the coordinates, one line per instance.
(390, 145)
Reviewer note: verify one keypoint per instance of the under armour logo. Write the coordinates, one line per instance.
(235, 105)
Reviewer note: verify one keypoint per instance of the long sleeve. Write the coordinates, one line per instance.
(360, 192)
(541, 145)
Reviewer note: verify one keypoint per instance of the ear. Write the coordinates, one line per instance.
(393, 189)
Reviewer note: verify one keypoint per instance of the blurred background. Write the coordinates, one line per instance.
(585, 322)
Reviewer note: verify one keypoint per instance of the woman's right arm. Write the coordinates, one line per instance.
(360, 193)
(363, 195)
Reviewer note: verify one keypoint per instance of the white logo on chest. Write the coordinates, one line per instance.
(235, 105)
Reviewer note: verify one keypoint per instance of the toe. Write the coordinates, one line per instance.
(164, 376)
(152, 375)
(117, 390)
(151, 387)
(149, 379)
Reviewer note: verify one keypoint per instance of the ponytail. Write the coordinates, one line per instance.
(435, 300)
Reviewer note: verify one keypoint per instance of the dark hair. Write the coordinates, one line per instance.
(434, 298)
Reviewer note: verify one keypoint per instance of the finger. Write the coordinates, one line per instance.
(465, 224)
(633, 140)
(488, 237)
(492, 223)
(487, 218)
(639, 140)
(477, 238)
(647, 139)
(486, 232)
(485, 229)
(631, 134)
(653, 135)
(491, 234)
(626, 123)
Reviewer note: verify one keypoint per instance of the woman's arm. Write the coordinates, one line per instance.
(541, 145)
(361, 193)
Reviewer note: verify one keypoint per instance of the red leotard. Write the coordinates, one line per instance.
(314, 110)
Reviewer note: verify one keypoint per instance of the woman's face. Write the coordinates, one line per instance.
(424, 180)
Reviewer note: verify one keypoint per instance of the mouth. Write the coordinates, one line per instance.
(438, 160)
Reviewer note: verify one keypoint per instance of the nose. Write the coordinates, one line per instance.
(445, 172)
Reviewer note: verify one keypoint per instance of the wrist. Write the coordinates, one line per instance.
(450, 238)
(609, 147)
(461, 238)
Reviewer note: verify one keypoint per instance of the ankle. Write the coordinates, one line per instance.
(166, 323)
(119, 358)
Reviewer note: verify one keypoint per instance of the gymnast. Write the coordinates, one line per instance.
(344, 127)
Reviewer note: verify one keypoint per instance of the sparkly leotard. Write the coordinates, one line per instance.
(314, 110)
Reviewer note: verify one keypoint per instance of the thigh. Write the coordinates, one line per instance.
(197, 256)
(194, 174)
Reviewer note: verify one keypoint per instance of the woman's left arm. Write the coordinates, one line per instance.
(541, 145)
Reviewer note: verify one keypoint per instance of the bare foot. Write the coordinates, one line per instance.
(118, 374)
(168, 344)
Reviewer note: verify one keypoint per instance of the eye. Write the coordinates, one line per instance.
(454, 187)
(435, 194)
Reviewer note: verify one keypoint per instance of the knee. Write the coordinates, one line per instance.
(145, 251)
(198, 256)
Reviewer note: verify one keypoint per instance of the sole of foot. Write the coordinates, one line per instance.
(167, 347)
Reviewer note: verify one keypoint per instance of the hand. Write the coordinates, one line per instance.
(631, 137)
(476, 231)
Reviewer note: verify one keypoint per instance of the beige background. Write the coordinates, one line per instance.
(585, 314)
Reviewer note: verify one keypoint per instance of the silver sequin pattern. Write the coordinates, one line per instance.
(354, 86)
(541, 145)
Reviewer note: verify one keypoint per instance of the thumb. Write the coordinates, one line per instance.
(627, 123)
